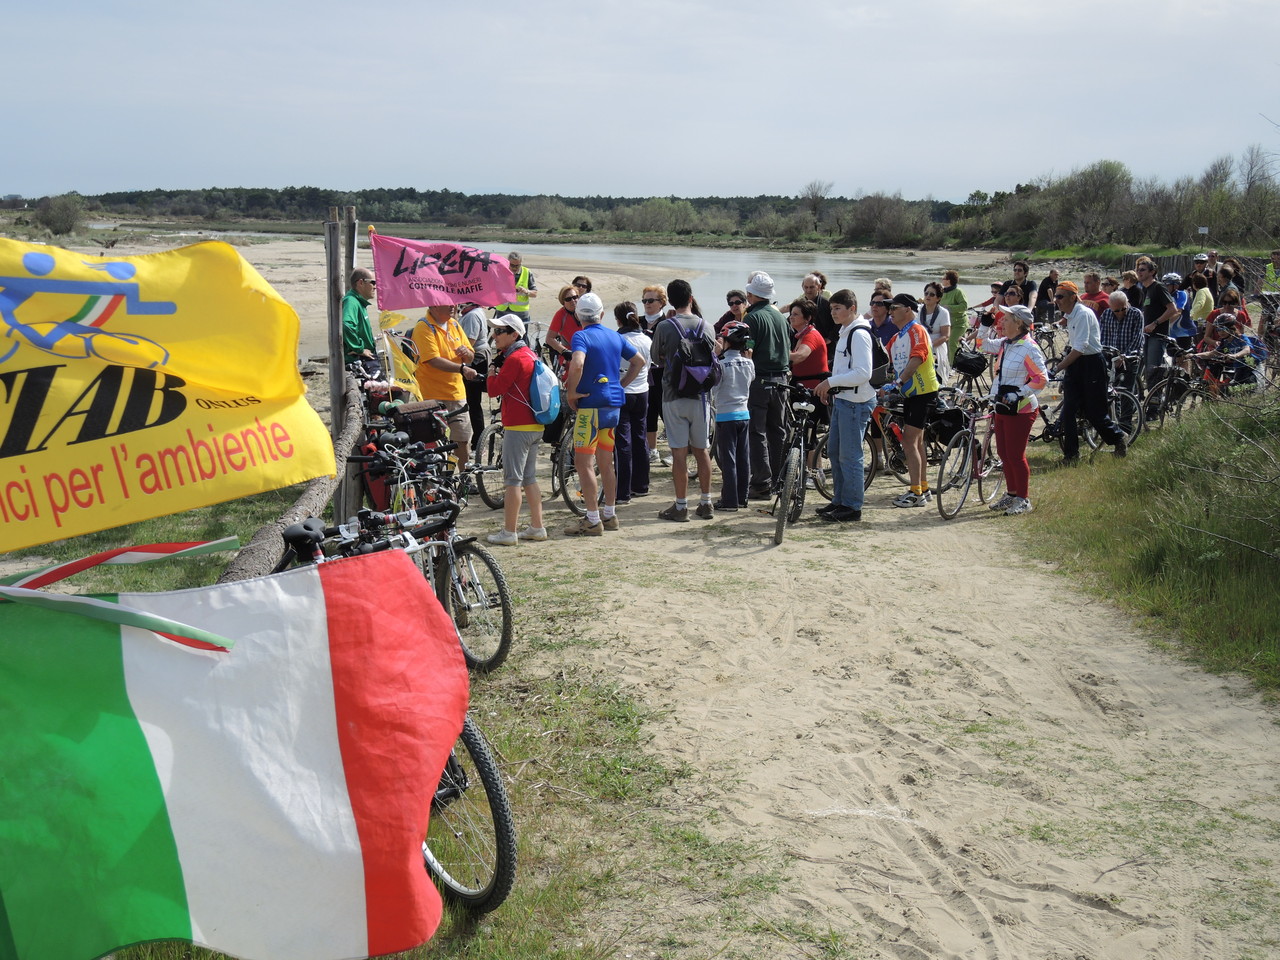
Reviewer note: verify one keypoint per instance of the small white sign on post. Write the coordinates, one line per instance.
(1204, 231)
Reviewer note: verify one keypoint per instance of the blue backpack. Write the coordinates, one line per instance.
(544, 393)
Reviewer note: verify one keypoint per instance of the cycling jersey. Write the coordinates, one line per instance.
(913, 341)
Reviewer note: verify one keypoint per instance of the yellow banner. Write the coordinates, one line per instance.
(134, 387)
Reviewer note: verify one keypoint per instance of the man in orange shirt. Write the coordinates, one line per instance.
(444, 362)
(916, 380)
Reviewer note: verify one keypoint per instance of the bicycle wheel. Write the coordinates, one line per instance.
(954, 475)
(991, 474)
(488, 456)
(796, 503)
(870, 457)
(571, 485)
(474, 593)
(821, 471)
(786, 493)
(470, 847)
(895, 457)
(1127, 411)
(556, 478)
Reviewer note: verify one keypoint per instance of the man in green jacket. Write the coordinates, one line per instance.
(357, 333)
(772, 336)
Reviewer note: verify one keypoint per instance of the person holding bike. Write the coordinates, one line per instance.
(917, 381)
(849, 394)
(1120, 328)
(1020, 373)
(595, 392)
(509, 378)
(1085, 380)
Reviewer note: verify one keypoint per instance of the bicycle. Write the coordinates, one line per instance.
(1122, 407)
(968, 460)
(789, 488)
(486, 455)
(465, 576)
(470, 846)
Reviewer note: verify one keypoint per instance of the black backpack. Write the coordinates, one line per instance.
(881, 369)
(694, 366)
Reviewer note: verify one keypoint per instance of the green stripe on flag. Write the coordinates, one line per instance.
(87, 856)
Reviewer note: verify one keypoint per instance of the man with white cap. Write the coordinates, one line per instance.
(771, 356)
(509, 378)
(594, 392)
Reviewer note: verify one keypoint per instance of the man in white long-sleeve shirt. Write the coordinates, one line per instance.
(1084, 372)
(849, 393)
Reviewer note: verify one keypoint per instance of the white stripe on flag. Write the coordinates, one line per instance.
(246, 747)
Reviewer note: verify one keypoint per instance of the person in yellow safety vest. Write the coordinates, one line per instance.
(526, 290)
(1269, 292)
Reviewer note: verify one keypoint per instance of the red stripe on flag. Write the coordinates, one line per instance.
(110, 309)
(72, 567)
(400, 691)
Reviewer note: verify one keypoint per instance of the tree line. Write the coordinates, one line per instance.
(1238, 199)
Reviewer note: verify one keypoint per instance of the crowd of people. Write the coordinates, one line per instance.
(668, 362)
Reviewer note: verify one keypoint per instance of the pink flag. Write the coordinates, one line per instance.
(424, 273)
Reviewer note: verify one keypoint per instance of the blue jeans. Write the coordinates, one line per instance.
(844, 448)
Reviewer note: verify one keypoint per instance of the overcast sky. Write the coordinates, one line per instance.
(627, 97)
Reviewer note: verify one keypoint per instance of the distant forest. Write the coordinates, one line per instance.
(1237, 198)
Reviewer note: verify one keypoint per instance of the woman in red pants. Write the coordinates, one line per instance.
(1020, 372)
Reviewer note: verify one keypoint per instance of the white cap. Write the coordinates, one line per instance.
(515, 323)
(590, 307)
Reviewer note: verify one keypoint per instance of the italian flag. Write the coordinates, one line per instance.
(247, 766)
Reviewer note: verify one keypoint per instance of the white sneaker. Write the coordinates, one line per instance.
(533, 533)
(653, 456)
(504, 538)
(1019, 505)
(910, 499)
(665, 461)
(1004, 503)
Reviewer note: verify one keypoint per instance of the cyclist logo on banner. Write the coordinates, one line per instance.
(82, 335)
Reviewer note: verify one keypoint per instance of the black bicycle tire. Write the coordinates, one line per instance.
(895, 457)
(954, 476)
(798, 492)
(991, 476)
(781, 505)
(570, 489)
(870, 458)
(488, 456)
(821, 472)
(487, 657)
(1128, 398)
(484, 832)
(555, 470)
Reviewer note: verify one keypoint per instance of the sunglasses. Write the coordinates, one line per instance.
(650, 300)
(567, 299)
(1061, 296)
(732, 303)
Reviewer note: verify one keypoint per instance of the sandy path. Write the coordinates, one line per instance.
(953, 752)
(978, 762)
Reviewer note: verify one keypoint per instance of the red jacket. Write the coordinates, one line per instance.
(512, 384)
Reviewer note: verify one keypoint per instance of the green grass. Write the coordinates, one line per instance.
(1186, 531)
(603, 817)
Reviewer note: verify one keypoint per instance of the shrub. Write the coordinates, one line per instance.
(61, 215)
